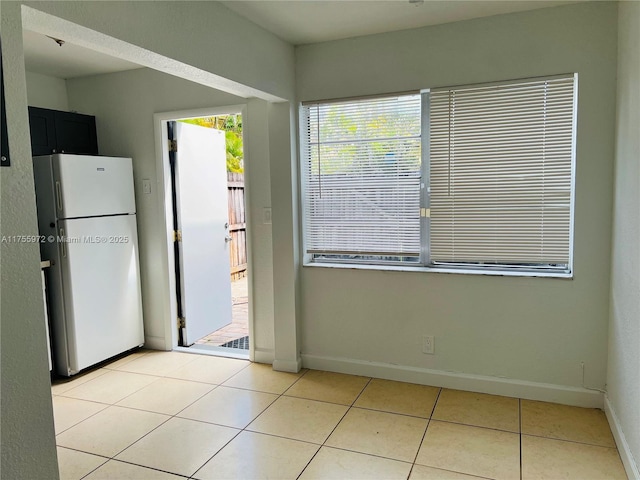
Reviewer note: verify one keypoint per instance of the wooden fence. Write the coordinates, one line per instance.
(237, 225)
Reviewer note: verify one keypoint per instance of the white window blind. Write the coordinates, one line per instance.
(501, 174)
(361, 173)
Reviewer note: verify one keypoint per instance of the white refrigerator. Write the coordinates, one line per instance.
(87, 223)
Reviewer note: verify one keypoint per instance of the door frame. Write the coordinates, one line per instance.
(165, 208)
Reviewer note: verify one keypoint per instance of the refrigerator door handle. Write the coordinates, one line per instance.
(63, 247)
(58, 196)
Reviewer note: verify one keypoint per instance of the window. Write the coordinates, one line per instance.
(473, 178)
(362, 179)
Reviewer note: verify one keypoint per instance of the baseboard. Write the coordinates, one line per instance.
(155, 343)
(262, 356)
(630, 465)
(288, 365)
(475, 383)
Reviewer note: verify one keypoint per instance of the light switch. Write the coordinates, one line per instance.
(146, 186)
(266, 216)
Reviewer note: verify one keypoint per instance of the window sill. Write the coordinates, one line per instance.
(458, 271)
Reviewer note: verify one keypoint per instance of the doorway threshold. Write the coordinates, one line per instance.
(215, 351)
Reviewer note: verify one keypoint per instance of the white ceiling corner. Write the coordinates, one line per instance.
(311, 21)
(295, 21)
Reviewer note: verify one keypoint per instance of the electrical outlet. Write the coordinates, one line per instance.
(146, 186)
(428, 344)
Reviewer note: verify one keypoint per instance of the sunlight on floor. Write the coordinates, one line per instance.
(170, 415)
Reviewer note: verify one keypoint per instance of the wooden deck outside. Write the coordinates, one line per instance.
(239, 326)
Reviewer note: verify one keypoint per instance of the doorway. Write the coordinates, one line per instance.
(206, 162)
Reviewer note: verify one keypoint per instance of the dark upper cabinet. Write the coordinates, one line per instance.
(76, 133)
(53, 131)
(43, 131)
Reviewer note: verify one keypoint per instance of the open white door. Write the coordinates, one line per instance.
(202, 220)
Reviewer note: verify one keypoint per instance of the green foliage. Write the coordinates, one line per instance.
(234, 152)
(365, 136)
(232, 126)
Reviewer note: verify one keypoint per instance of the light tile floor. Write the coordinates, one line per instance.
(171, 415)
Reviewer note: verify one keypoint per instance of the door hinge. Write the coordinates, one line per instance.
(181, 322)
(173, 145)
(177, 236)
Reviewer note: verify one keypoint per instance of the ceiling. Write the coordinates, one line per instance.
(295, 21)
(310, 21)
(43, 55)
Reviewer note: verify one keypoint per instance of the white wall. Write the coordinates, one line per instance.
(27, 438)
(45, 91)
(257, 59)
(124, 104)
(285, 238)
(623, 376)
(206, 35)
(528, 329)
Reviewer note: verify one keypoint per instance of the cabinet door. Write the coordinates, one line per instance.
(76, 133)
(43, 131)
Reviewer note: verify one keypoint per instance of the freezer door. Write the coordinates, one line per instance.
(103, 309)
(87, 186)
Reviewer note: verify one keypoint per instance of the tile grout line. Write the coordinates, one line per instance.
(277, 397)
(280, 436)
(520, 432)
(156, 377)
(115, 404)
(244, 429)
(421, 418)
(176, 416)
(476, 426)
(75, 424)
(471, 475)
(369, 409)
(110, 458)
(82, 451)
(152, 374)
(160, 377)
(424, 434)
(111, 370)
(433, 410)
(335, 427)
(158, 426)
(57, 378)
(224, 426)
(135, 465)
(569, 441)
(375, 455)
(455, 423)
(99, 466)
